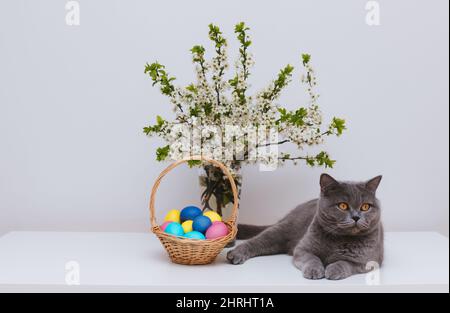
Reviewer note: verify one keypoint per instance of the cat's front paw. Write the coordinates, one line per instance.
(238, 255)
(337, 271)
(313, 271)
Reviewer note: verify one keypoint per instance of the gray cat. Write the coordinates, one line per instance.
(332, 237)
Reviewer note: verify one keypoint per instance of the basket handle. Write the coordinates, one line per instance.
(224, 169)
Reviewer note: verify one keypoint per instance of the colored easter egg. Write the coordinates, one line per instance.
(195, 235)
(217, 230)
(174, 229)
(164, 225)
(213, 216)
(173, 215)
(187, 226)
(201, 223)
(189, 213)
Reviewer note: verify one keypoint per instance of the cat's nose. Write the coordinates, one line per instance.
(356, 218)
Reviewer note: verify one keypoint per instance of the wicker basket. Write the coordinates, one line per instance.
(190, 251)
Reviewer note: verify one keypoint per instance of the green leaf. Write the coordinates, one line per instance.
(241, 30)
(298, 116)
(306, 58)
(216, 35)
(323, 159)
(195, 111)
(240, 27)
(159, 120)
(282, 111)
(192, 88)
(282, 81)
(338, 124)
(193, 163)
(208, 108)
(295, 118)
(155, 128)
(147, 130)
(198, 50)
(160, 76)
(234, 81)
(162, 153)
(311, 162)
(198, 54)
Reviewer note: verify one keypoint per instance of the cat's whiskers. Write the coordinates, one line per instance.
(363, 225)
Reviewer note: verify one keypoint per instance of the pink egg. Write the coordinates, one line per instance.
(217, 230)
(163, 226)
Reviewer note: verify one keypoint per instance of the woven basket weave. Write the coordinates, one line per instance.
(190, 251)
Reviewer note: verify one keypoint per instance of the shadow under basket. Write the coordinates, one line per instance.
(190, 251)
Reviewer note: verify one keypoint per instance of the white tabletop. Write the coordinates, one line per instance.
(37, 261)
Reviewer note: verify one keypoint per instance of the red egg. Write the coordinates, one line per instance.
(163, 226)
(217, 230)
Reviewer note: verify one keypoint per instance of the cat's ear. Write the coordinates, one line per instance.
(327, 181)
(372, 184)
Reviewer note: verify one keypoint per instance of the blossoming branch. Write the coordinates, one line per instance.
(213, 103)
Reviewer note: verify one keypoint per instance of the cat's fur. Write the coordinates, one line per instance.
(325, 241)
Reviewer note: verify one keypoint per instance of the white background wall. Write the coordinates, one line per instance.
(73, 101)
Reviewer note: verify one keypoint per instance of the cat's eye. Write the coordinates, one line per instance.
(343, 206)
(365, 207)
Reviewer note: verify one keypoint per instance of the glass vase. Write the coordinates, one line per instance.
(216, 192)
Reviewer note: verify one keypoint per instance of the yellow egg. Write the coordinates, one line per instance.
(173, 216)
(213, 216)
(187, 226)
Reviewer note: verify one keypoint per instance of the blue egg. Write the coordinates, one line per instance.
(201, 223)
(174, 229)
(189, 213)
(195, 235)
